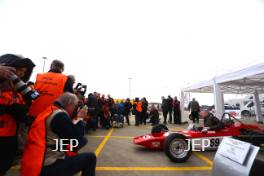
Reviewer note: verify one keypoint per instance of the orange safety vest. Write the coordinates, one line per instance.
(50, 86)
(139, 106)
(33, 156)
(8, 125)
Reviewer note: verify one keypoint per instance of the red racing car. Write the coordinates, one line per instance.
(178, 145)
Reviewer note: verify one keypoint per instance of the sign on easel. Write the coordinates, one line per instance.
(234, 157)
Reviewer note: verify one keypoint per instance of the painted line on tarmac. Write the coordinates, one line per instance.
(122, 137)
(204, 158)
(194, 168)
(102, 144)
(191, 168)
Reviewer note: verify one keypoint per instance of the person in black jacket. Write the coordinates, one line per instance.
(211, 122)
(194, 107)
(92, 104)
(164, 106)
(170, 104)
(176, 111)
(13, 108)
(128, 107)
(144, 110)
(154, 115)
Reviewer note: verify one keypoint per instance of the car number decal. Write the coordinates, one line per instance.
(214, 142)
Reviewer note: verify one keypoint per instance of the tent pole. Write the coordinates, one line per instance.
(182, 106)
(219, 101)
(258, 112)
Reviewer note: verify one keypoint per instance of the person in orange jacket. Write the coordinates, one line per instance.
(13, 107)
(49, 141)
(138, 111)
(50, 86)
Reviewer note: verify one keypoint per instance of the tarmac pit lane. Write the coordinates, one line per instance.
(118, 156)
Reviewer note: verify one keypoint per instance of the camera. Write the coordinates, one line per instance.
(81, 89)
(22, 88)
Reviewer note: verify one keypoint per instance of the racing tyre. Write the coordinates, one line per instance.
(245, 113)
(190, 117)
(159, 128)
(176, 147)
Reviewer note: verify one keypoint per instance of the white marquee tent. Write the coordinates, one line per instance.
(249, 80)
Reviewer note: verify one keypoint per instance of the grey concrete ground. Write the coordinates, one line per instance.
(119, 155)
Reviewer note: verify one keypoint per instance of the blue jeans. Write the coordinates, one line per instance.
(85, 162)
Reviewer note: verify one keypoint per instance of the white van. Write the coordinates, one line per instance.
(235, 110)
(249, 109)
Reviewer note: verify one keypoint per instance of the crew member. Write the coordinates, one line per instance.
(194, 107)
(154, 115)
(211, 122)
(138, 111)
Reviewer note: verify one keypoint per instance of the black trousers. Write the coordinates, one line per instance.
(8, 152)
(127, 117)
(154, 120)
(195, 116)
(144, 116)
(165, 114)
(85, 162)
(138, 118)
(170, 115)
(177, 117)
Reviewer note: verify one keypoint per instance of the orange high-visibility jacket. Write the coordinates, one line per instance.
(50, 86)
(8, 125)
(139, 106)
(33, 156)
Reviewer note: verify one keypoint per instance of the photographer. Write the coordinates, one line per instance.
(13, 106)
(80, 91)
(6, 72)
(56, 122)
(92, 104)
(50, 85)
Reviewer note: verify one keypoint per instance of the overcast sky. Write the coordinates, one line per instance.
(161, 44)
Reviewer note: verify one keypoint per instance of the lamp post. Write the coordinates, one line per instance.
(165, 90)
(129, 88)
(44, 59)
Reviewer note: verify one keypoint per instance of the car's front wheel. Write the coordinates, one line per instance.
(176, 148)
